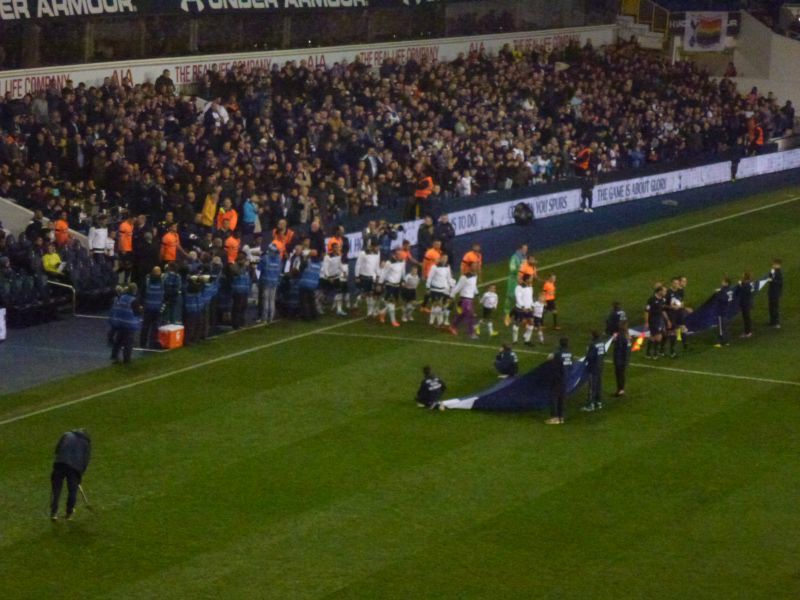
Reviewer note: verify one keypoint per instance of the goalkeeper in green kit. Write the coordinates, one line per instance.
(513, 271)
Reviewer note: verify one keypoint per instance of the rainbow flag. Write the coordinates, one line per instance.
(709, 31)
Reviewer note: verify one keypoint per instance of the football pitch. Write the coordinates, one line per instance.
(292, 462)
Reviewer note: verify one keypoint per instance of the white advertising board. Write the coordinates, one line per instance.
(481, 218)
(663, 183)
(187, 70)
(768, 163)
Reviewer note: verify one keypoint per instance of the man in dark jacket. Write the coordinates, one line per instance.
(595, 355)
(445, 233)
(506, 362)
(424, 237)
(73, 451)
(561, 361)
(430, 390)
(774, 293)
(145, 257)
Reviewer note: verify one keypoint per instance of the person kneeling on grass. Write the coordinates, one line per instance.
(430, 390)
(506, 362)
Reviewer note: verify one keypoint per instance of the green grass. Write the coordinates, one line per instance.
(304, 470)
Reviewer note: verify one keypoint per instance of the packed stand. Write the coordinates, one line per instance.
(304, 143)
(161, 180)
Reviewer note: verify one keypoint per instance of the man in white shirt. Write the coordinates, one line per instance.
(439, 284)
(367, 270)
(466, 289)
(538, 316)
(391, 277)
(98, 236)
(489, 302)
(523, 311)
(331, 275)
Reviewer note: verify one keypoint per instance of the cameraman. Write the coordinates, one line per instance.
(387, 233)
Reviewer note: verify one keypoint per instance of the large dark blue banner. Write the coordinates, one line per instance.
(534, 390)
(705, 316)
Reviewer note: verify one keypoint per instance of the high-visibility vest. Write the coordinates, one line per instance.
(169, 247)
(309, 278)
(231, 215)
(423, 192)
(526, 269)
(470, 260)
(153, 294)
(125, 237)
(122, 315)
(172, 285)
(232, 248)
(193, 303)
(431, 257)
(334, 240)
(62, 232)
(285, 237)
(241, 282)
(270, 270)
(759, 135)
(584, 156)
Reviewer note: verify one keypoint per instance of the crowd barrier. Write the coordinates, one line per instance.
(550, 204)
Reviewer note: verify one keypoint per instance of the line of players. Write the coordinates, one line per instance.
(388, 284)
(664, 316)
(666, 310)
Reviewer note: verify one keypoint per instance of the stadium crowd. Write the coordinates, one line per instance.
(285, 155)
(301, 143)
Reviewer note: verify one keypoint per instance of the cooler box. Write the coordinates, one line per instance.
(170, 336)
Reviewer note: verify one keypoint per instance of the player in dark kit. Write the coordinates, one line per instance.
(622, 354)
(656, 321)
(73, 451)
(744, 295)
(616, 317)
(723, 301)
(506, 362)
(673, 309)
(775, 292)
(680, 294)
(430, 390)
(562, 363)
(595, 355)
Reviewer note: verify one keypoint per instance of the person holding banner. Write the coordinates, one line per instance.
(430, 390)
(506, 363)
(744, 293)
(561, 360)
(774, 293)
(622, 354)
(673, 308)
(723, 300)
(595, 355)
(680, 294)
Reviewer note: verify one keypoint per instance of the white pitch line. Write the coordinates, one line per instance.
(199, 365)
(539, 352)
(657, 236)
(343, 323)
